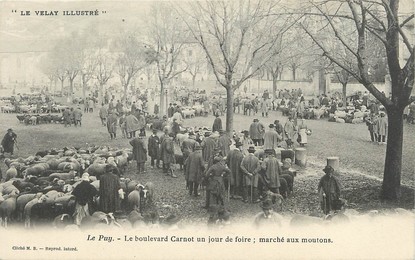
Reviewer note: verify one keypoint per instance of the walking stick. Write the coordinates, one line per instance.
(252, 188)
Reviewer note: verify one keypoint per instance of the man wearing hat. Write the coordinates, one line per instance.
(234, 160)
(109, 187)
(139, 152)
(250, 166)
(175, 127)
(246, 142)
(167, 154)
(217, 124)
(271, 138)
(103, 114)
(112, 124)
(289, 131)
(188, 145)
(9, 139)
(78, 116)
(216, 185)
(278, 127)
(382, 128)
(209, 145)
(154, 148)
(194, 167)
(267, 216)
(272, 170)
(170, 110)
(84, 192)
(132, 125)
(256, 132)
(329, 190)
(224, 143)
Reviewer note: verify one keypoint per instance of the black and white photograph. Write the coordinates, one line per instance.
(210, 129)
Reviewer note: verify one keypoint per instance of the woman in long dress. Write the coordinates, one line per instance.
(302, 132)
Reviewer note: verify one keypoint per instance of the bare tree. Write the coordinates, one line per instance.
(238, 38)
(194, 63)
(388, 24)
(104, 69)
(168, 36)
(133, 56)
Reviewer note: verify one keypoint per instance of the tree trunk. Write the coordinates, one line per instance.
(344, 94)
(193, 80)
(124, 99)
(70, 94)
(294, 70)
(101, 93)
(62, 86)
(391, 186)
(163, 110)
(83, 90)
(274, 86)
(229, 110)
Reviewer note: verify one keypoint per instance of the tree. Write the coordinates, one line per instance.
(238, 38)
(133, 56)
(193, 62)
(87, 70)
(383, 19)
(168, 36)
(104, 69)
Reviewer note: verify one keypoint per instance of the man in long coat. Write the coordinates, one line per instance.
(329, 189)
(78, 116)
(224, 143)
(382, 128)
(194, 167)
(132, 125)
(250, 167)
(209, 145)
(67, 117)
(112, 125)
(289, 131)
(154, 148)
(8, 141)
(188, 146)
(103, 114)
(217, 124)
(84, 193)
(256, 132)
(109, 191)
(233, 160)
(139, 152)
(167, 155)
(216, 185)
(272, 170)
(271, 138)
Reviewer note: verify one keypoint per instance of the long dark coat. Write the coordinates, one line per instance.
(272, 171)
(250, 164)
(8, 142)
(256, 130)
(139, 149)
(233, 160)
(194, 167)
(330, 186)
(108, 192)
(215, 176)
(208, 145)
(188, 146)
(217, 124)
(167, 150)
(112, 123)
(154, 146)
(224, 144)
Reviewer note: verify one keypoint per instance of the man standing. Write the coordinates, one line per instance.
(109, 191)
(188, 146)
(170, 110)
(289, 131)
(194, 167)
(224, 143)
(272, 171)
(9, 139)
(234, 160)
(216, 185)
(217, 124)
(167, 155)
(256, 132)
(271, 138)
(250, 166)
(103, 114)
(154, 148)
(382, 127)
(66, 117)
(329, 190)
(132, 125)
(208, 148)
(84, 192)
(139, 152)
(268, 217)
(78, 116)
(112, 125)
(175, 128)
(278, 128)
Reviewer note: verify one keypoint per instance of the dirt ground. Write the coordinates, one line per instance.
(361, 164)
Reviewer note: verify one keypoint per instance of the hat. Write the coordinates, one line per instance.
(271, 125)
(9, 130)
(85, 176)
(328, 169)
(207, 134)
(171, 134)
(251, 149)
(142, 133)
(266, 204)
(238, 144)
(256, 120)
(269, 151)
(197, 147)
(155, 131)
(217, 159)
